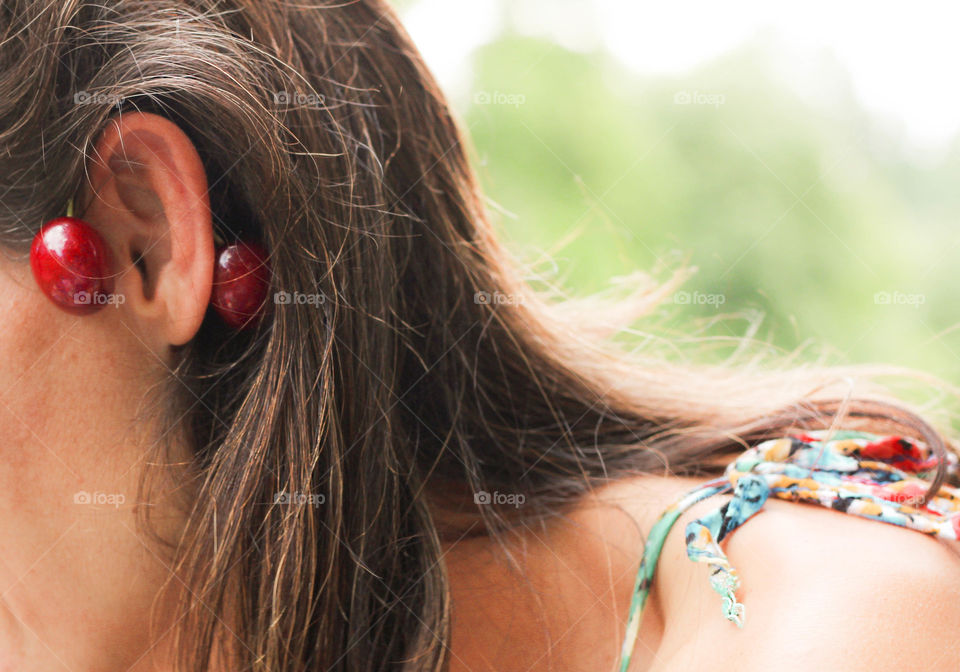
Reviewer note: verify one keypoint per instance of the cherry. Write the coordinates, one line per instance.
(71, 265)
(241, 279)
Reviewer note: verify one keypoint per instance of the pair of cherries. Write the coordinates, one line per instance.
(71, 264)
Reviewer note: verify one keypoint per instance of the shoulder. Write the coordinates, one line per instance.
(814, 582)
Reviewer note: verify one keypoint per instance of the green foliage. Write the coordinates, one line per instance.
(807, 211)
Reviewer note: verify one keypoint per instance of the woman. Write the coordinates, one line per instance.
(386, 468)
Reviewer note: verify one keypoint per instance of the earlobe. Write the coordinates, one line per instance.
(149, 201)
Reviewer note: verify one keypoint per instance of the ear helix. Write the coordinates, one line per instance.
(72, 266)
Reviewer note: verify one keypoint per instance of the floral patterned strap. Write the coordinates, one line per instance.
(875, 477)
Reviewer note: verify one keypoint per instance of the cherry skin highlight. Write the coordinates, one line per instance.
(241, 279)
(71, 265)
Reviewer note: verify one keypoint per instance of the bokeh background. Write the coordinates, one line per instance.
(804, 159)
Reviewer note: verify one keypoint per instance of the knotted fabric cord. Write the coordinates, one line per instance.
(880, 477)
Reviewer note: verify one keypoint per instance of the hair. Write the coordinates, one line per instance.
(400, 392)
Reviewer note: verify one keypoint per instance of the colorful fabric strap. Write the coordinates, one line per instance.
(872, 476)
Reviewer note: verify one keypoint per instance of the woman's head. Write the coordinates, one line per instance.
(315, 128)
(288, 486)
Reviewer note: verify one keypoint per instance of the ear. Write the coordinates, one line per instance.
(148, 198)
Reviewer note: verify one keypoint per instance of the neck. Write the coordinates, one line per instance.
(557, 594)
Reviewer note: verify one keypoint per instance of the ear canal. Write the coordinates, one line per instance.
(139, 261)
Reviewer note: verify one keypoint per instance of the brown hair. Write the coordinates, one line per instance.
(402, 390)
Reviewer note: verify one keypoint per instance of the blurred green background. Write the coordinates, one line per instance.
(805, 210)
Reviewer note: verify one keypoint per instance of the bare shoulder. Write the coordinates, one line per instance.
(817, 584)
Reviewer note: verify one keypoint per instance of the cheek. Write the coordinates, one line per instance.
(66, 383)
(69, 392)
(40, 416)
(28, 352)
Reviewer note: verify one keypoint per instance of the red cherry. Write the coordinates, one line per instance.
(71, 265)
(241, 279)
